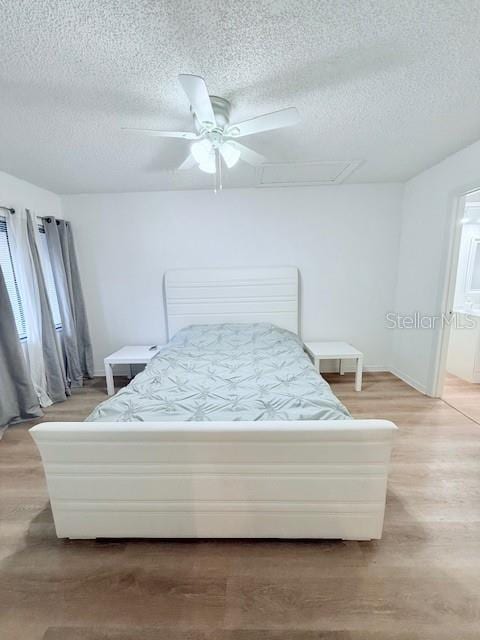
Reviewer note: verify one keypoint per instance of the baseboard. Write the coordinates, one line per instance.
(368, 368)
(409, 380)
(332, 367)
(371, 368)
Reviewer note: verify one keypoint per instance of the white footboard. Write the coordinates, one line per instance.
(324, 479)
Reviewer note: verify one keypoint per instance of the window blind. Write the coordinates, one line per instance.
(8, 270)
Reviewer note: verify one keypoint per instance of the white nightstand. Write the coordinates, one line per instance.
(127, 355)
(336, 351)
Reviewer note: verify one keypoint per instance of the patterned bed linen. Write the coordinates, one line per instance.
(226, 372)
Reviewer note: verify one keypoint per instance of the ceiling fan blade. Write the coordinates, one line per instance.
(275, 120)
(197, 93)
(186, 135)
(188, 163)
(248, 155)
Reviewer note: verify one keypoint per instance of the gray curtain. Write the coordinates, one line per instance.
(18, 400)
(57, 387)
(76, 336)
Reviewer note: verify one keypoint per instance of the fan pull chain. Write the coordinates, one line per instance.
(218, 171)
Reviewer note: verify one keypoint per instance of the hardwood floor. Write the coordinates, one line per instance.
(421, 581)
(463, 396)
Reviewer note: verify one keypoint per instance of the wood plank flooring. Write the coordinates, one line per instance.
(463, 396)
(421, 581)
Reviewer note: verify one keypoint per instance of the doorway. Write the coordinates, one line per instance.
(461, 383)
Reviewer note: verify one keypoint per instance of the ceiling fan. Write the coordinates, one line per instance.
(215, 139)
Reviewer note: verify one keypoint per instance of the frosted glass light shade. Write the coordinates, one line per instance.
(204, 154)
(202, 151)
(208, 166)
(230, 154)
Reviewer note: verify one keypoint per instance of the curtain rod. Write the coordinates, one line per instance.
(12, 210)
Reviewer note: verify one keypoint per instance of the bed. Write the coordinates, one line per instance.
(228, 432)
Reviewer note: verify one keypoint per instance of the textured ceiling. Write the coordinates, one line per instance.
(394, 83)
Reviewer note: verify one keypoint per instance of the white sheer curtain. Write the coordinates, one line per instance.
(29, 293)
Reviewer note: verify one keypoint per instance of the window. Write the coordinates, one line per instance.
(11, 281)
(48, 275)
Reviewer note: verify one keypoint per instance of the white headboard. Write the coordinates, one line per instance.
(250, 294)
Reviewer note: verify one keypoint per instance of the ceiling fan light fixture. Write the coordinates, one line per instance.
(202, 151)
(230, 154)
(208, 166)
(204, 154)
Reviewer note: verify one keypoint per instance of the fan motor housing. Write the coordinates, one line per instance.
(221, 109)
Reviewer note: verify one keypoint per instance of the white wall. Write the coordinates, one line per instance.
(343, 239)
(427, 221)
(17, 193)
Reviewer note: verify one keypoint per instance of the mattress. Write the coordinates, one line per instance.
(226, 372)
